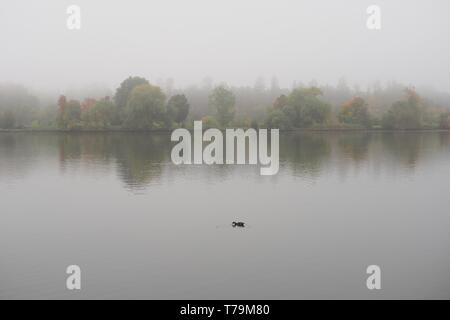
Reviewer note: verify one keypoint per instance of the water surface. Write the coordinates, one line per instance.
(140, 227)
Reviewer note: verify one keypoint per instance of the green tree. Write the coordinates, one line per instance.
(72, 115)
(223, 101)
(178, 108)
(62, 104)
(145, 108)
(355, 111)
(124, 91)
(280, 102)
(101, 115)
(405, 114)
(305, 107)
(254, 124)
(209, 122)
(278, 119)
(46, 117)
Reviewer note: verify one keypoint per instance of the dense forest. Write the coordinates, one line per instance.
(139, 105)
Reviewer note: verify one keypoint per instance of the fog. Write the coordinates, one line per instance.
(233, 41)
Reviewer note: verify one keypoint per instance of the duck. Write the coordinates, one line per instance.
(238, 224)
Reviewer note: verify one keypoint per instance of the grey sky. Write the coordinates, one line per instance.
(234, 41)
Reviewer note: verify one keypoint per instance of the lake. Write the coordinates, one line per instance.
(141, 227)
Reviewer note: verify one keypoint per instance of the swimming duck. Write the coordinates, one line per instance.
(238, 224)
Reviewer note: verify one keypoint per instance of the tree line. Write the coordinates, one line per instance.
(139, 105)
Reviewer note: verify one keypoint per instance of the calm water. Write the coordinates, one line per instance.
(139, 227)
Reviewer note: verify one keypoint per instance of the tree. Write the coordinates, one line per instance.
(45, 117)
(209, 122)
(444, 121)
(101, 115)
(88, 103)
(355, 111)
(223, 101)
(124, 91)
(277, 119)
(280, 102)
(305, 108)
(313, 112)
(302, 108)
(405, 114)
(17, 104)
(7, 120)
(62, 104)
(145, 108)
(178, 108)
(72, 115)
(69, 113)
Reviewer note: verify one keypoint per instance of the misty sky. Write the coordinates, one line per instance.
(234, 41)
